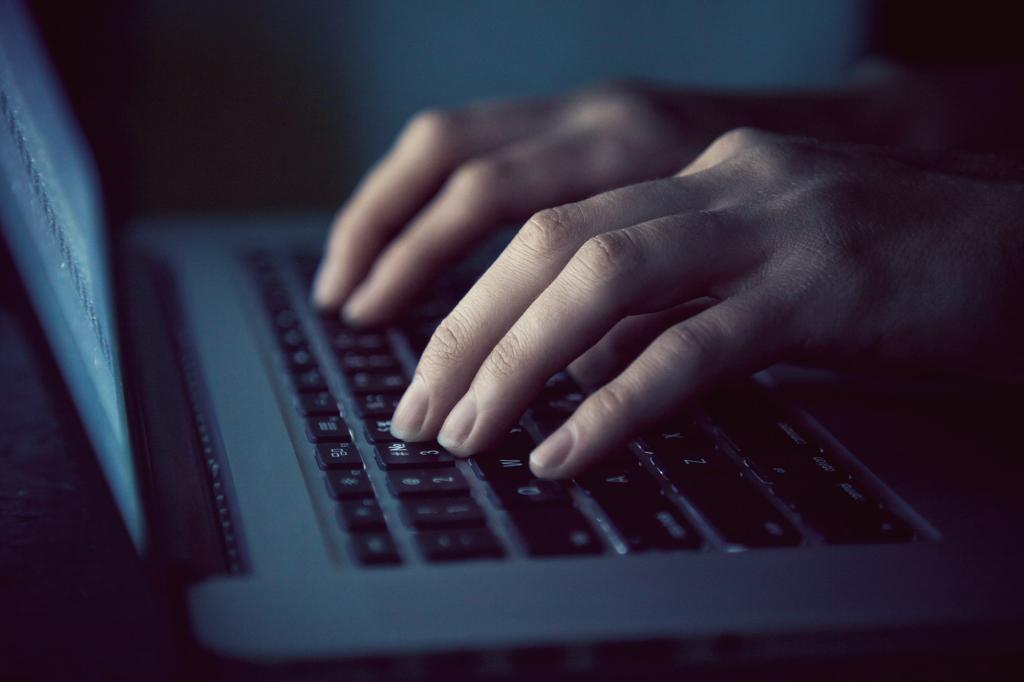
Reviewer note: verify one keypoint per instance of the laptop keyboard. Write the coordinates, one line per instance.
(734, 473)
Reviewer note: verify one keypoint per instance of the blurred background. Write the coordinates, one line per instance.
(195, 105)
(198, 105)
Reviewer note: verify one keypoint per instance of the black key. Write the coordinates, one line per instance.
(414, 483)
(740, 513)
(462, 511)
(677, 439)
(361, 515)
(846, 513)
(621, 478)
(497, 468)
(375, 549)
(285, 318)
(292, 338)
(650, 523)
(367, 362)
(276, 300)
(345, 340)
(531, 492)
(309, 381)
(338, 456)
(300, 359)
(400, 455)
(377, 382)
(631, 498)
(465, 543)
(791, 469)
(318, 404)
(349, 483)
(556, 530)
(326, 429)
(776, 448)
(379, 431)
(755, 425)
(516, 442)
(716, 487)
(377, 404)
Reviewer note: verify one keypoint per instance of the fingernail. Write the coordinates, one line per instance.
(323, 285)
(459, 424)
(552, 453)
(407, 422)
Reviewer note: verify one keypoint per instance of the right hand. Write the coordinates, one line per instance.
(454, 175)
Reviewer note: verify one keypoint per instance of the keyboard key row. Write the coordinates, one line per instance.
(801, 472)
(346, 479)
(400, 455)
(717, 488)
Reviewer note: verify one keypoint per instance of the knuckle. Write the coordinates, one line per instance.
(433, 127)
(609, 256)
(477, 179)
(549, 231)
(507, 357)
(687, 340)
(614, 104)
(449, 340)
(741, 138)
(608, 404)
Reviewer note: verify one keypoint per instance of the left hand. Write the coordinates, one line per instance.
(765, 248)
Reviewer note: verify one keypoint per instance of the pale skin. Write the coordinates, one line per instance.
(653, 275)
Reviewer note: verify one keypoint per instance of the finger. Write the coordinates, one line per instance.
(736, 337)
(530, 262)
(429, 148)
(727, 146)
(507, 185)
(626, 340)
(639, 269)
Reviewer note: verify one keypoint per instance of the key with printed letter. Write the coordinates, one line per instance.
(379, 431)
(338, 456)
(349, 483)
(361, 515)
(377, 404)
(400, 455)
(375, 548)
(320, 404)
(377, 382)
(556, 530)
(462, 543)
(417, 482)
(715, 486)
(439, 513)
(529, 492)
(326, 429)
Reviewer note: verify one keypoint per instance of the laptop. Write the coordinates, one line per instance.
(245, 438)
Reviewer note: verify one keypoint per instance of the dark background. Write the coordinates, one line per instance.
(195, 105)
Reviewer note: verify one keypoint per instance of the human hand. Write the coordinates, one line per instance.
(453, 176)
(765, 248)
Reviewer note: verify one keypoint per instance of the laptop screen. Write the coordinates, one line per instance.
(53, 223)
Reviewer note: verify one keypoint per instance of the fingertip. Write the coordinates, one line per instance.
(324, 295)
(549, 459)
(361, 310)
